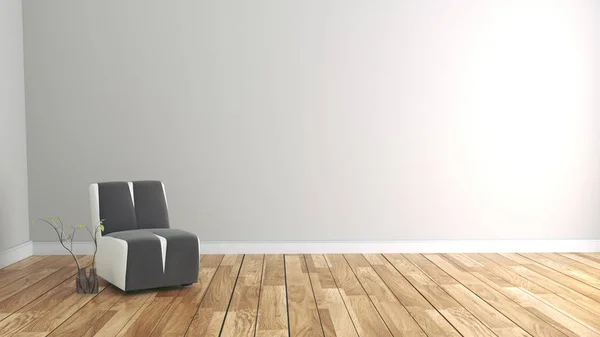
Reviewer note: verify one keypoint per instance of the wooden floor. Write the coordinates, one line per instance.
(319, 295)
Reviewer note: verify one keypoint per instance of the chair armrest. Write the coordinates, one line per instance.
(111, 260)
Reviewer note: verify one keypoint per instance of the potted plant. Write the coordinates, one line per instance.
(86, 282)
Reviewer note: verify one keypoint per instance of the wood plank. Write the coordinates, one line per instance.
(554, 274)
(515, 275)
(48, 312)
(127, 327)
(241, 316)
(208, 320)
(489, 315)
(367, 320)
(272, 317)
(79, 323)
(538, 271)
(109, 317)
(147, 318)
(352, 295)
(574, 262)
(43, 314)
(592, 256)
(566, 317)
(178, 316)
(57, 315)
(27, 265)
(566, 267)
(430, 320)
(394, 314)
(25, 262)
(112, 321)
(516, 313)
(303, 313)
(588, 260)
(25, 296)
(335, 317)
(462, 319)
(12, 277)
(177, 320)
(505, 273)
(25, 282)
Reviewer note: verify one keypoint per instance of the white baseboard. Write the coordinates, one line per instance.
(333, 247)
(16, 254)
(428, 246)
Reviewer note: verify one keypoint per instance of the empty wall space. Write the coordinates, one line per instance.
(14, 213)
(319, 120)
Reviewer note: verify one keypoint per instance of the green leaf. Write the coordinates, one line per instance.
(101, 228)
(80, 226)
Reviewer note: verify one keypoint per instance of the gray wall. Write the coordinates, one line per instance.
(321, 120)
(14, 209)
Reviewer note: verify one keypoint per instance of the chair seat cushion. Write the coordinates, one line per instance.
(159, 257)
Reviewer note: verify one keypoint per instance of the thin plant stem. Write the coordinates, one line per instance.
(95, 238)
(61, 240)
(83, 281)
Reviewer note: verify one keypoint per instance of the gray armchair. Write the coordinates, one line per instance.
(138, 249)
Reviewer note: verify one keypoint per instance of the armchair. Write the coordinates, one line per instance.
(138, 249)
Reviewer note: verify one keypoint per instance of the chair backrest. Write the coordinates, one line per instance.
(129, 205)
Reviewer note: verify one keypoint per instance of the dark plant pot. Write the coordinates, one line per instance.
(87, 283)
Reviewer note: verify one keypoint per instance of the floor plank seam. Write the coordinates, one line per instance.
(511, 300)
(367, 295)
(399, 301)
(36, 298)
(557, 270)
(109, 285)
(42, 279)
(202, 298)
(26, 274)
(454, 294)
(287, 304)
(132, 316)
(422, 295)
(264, 267)
(445, 291)
(549, 290)
(570, 258)
(24, 305)
(472, 292)
(561, 311)
(164, 314)
(232, 292)
(314, 296)
(541, 299)
(342, 297)
(66, 319)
